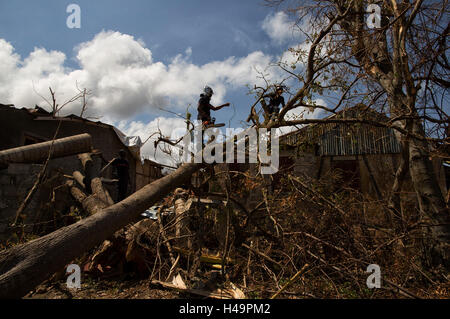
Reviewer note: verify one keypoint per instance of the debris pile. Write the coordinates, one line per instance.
(223, 233)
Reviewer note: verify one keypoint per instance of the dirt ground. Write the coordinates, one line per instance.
(93, 288)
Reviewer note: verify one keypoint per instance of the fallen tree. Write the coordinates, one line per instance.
(39, 152)
(25, 266)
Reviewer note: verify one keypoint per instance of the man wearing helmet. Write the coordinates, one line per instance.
(275, 99)
(204, 106)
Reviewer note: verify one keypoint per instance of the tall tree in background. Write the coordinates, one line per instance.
(398, 66)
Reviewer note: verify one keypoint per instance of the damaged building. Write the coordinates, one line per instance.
(365, 156)
(356, 157)
(22, 127)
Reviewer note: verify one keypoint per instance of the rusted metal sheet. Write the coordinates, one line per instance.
(36, 153)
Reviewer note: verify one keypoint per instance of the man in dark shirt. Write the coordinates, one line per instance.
(275, 99)
(122, 168)
(204, 106)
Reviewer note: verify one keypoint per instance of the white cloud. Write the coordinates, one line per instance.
(7, 67)
(124, 78)
(278, 27)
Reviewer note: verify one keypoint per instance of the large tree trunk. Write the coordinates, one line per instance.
(25, 266)
(386, 61)
(39, 152)
(431, 201)
(399, 179)
(430, 198)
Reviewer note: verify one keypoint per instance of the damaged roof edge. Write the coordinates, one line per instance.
(132, 143)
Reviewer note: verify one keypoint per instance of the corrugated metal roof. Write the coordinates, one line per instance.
(341, 139)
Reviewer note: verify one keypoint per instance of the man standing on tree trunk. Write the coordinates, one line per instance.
(275, 100)
(205, 107)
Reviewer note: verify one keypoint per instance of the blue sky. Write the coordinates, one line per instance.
(138, 56)
(214, 29)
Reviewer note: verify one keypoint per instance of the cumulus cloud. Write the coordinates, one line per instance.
(278, 27)
(124, 78)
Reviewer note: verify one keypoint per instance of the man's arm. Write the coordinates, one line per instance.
(216, 108)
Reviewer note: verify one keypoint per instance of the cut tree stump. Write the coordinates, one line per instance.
(79, 178)
(101, 192)
(88, 167)
(91, 204)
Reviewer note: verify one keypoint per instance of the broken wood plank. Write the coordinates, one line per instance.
(217, 294)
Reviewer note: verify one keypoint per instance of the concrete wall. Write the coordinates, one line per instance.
(15, 182)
